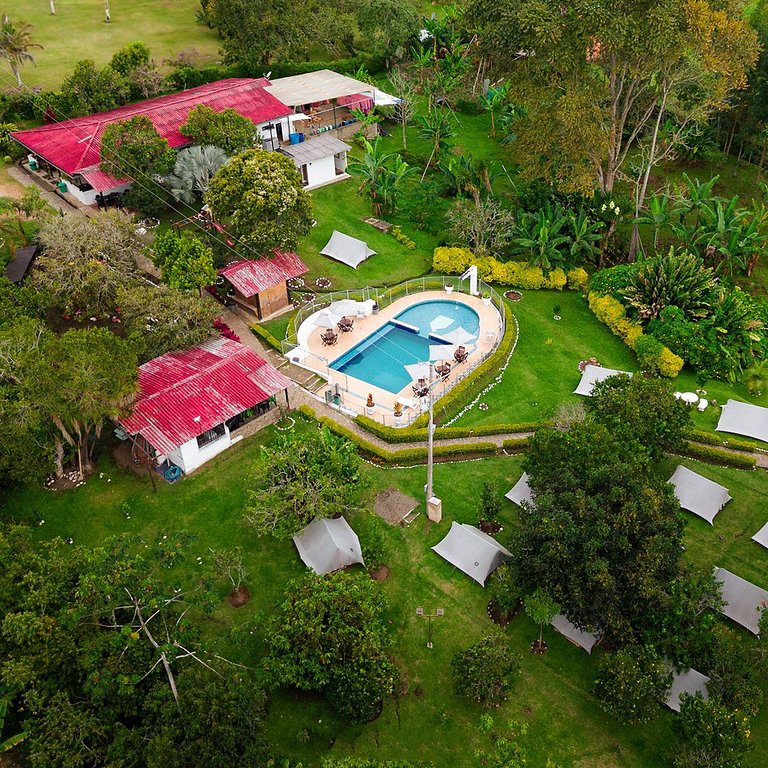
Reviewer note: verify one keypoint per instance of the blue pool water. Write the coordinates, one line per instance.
(380, 358)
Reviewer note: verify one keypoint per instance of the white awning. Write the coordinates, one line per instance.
(744, 419)
(699, 494)
(521, 492)
(592, 375)
(690, 681)
(585, 640)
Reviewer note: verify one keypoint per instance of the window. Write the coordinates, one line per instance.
(211, 435)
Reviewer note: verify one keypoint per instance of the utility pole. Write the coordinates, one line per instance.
(434, 504)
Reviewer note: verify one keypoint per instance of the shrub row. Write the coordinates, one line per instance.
(411, 434)
(653, 355)
(266, 337)
(400, 456)
(702, 436)
(516, 444)
(517, 274)
(719, 456)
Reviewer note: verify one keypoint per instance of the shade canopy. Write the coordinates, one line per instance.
(585, 640)
(472, 551)
(698, 494)
(592, 375)
(417, 370)
(348, 250)
(743, 601)
(441, 352)
(328, 545)
(744, 419)
(521, 492)
(690, 681)
(459, 336)
(761, 537)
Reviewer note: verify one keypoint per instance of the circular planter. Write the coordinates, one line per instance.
(449, 289)
(513, 295)
(370, 410)
(487, 301)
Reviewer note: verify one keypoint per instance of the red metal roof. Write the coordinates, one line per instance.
(73, 145)
(183, 394)
(250, 276)
(100, 180)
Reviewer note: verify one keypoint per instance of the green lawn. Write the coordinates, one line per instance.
(78, 31)
(428, 721)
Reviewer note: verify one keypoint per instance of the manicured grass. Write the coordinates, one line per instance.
(428, 721)
(78, 31)
(543, 370)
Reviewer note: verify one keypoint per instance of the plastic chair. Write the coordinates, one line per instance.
(702, 406)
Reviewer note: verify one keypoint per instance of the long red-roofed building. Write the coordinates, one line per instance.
(72, 146)
(261, 285)
(188, 401)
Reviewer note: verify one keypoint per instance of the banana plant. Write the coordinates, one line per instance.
(541, 238)
(16, 739)
(586, 235)
(494, 100)
(658, 215)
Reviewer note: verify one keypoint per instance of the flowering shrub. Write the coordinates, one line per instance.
(402, 238)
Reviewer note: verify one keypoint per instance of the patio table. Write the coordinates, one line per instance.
(689, 397)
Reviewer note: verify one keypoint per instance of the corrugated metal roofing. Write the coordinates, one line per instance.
(183, 394)
(315, 148)
(313, 87)
(73, 145)
(100, 180)
(250, 276)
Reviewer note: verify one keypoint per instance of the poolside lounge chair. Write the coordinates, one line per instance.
(329, 338)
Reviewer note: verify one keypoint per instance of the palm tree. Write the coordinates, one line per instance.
(193, 171)
(15, 42)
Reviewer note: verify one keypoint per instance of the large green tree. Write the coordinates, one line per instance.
(259, 197)
(226, 129)
(485, 671)
(300, 477)
(330, 636)
(185, 262)
(599, 79)
(89, 89)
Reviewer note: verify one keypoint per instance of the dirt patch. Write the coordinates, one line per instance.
(239, 596)
(490, 527)
(502, 618)
(539, 648)
(393, 506)
(513, 295)
(381, 573)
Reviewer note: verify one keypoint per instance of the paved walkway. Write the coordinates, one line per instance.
(54, 200)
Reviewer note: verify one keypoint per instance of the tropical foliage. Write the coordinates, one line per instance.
(193, 170)
(485, 671)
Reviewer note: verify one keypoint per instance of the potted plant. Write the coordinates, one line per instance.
(487, 299)
(398, 409)
(448, 289)
(370, 405)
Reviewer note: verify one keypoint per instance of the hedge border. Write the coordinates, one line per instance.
(266, 337)
(403, 455)
(719, 456)
(710, 438)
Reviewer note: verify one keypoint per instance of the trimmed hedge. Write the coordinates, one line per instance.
(479, 378)
(612, 312)
(517, 274)
(719, 456)
(403, 455)
(411, 434)
(702, 436)
(516, 444)
(266, 337)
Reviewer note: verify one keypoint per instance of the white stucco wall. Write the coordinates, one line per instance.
(321, 171)
(89, 197)
(189, 457)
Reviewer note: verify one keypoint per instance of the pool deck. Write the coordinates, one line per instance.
(354, 392)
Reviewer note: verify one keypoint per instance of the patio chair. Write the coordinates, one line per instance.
(329, 338)
(345, 324)
(460, 355)
(443, 370)
(702, 406)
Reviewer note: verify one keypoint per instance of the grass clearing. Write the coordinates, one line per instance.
(78, 31)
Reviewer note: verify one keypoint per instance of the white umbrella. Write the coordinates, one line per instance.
(460, 336)
(441, 351)
(344, 307)
(418, 370)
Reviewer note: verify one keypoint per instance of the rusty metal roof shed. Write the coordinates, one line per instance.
(251, 276)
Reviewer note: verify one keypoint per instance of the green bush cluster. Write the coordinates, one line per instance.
(702, 436)
(411, 434)
(516, 443)
(402, 238)
(517, 274)
(719, 456)
(402, 455)
(652, 355)
(479, 378)
(266, 337)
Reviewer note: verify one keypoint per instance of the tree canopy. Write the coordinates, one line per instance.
(259, 197)
(226, 129)
(185, 261)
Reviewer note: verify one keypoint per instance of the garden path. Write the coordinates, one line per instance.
(55, 201)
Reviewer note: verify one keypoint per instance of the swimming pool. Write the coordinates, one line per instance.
(380, 358)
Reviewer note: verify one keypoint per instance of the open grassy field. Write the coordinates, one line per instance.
(78, 31)
(428, 721)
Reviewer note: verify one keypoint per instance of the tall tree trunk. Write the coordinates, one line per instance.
(17, 73)
(52, 4)
(107, 15)
(58, 459)
(405, 139)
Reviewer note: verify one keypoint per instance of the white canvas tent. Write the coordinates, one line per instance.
(743, 601)
(690, 681)
(472, 551)
(585, 640)
(592, 375)
(348, 250)
(744, 419)
(521, 492)
(761, 537)
(327, 545)
(698, 494)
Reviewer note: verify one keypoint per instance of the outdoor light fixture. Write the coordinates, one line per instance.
(429, 616)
